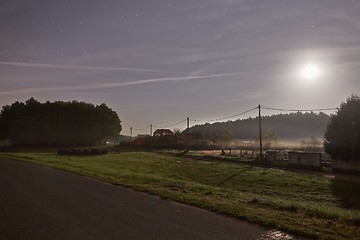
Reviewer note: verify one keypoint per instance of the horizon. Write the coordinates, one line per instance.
(181, 125)
(160, 62)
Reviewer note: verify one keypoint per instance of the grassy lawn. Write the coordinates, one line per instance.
(298, 203)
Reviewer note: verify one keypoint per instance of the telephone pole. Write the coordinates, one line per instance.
(150, 130)
(260, 134)
(131, 132)
(188, 133)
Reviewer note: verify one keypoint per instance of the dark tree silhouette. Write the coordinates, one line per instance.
(342, 136)
(287, 126)
(57, 124)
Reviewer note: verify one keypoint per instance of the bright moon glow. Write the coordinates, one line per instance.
(310, 72)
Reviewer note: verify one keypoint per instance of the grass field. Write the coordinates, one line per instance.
(299, 203)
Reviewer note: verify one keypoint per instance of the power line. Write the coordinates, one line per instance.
(224, 118)
(299, 110)
(141, 129)
(238, 114)
(155, 126)
(171, 125)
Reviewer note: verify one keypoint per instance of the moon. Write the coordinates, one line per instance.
(310, 72)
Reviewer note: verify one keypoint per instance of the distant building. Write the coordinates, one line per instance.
(163, 132)
(296, 157)
(272, 155)
(305, 158)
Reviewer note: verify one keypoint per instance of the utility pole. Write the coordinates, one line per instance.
(260, 134)
(131, 132)
(187, 132)
(150, 130)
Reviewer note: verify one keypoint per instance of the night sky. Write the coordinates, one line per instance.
(158, 62)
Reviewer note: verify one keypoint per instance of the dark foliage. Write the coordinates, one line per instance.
(166, 141)
(82, 151)
(286, 126)
(57, 124)
(342, 136)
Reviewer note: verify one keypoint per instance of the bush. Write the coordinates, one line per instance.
(82, 151)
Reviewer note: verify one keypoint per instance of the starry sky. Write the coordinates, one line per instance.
(161, 61)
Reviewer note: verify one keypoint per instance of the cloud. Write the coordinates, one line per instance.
(80, 67)
(122, 84)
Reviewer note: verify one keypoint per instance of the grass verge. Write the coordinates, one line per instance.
(310, 206)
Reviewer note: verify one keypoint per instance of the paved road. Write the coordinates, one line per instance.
(38, 202)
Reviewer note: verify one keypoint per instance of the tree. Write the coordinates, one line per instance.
(58, 124)
(287, 126)
(342, 136)
(311, 145)
(177, 132)
(269, 137)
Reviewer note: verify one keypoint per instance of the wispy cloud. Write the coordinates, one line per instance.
(121, 84)
(80, 67)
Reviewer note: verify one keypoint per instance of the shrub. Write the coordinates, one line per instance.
(82, 151)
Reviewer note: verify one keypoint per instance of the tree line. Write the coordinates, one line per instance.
(58, 123)
(287, 126)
